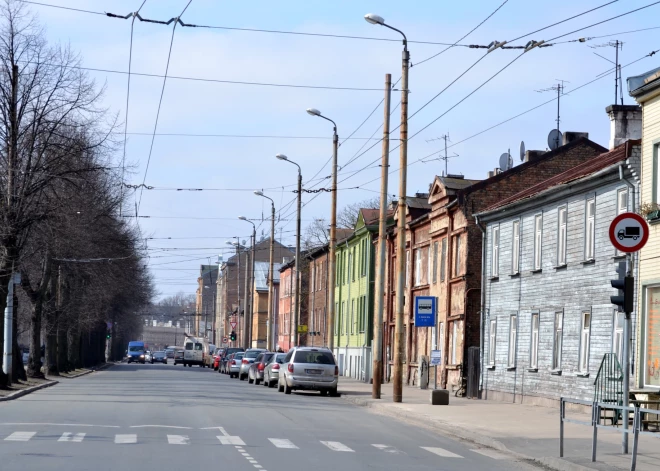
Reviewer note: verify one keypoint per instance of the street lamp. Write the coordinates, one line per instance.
(296, 318)
(397, 394)
(271, 288)
(330, 321)
(249, 296)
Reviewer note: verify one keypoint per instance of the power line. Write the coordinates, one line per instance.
(590, 38)
(160, 102)
(242, 136)
(63, 8)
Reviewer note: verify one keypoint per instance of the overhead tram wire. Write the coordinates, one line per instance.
(128, 94)
(590, 38)
(160, 102)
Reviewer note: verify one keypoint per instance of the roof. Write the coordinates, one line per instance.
(261, 275)
(418, 202)
(343, 234)
(371, 216)
(640, 84)
(456, 183)
(600, 162)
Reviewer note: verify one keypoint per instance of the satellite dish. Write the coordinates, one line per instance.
(505, 161)
(522, 150)
(243, 242)
(554, 139)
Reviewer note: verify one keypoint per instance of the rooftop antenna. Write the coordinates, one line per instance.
(522, 151)
(617, 67)
(446, 157)
(559, 88)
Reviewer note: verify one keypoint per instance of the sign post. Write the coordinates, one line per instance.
(425, 308)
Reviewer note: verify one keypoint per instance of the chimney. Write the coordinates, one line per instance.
(491, 173)
(532, 155)
(625, 123)
(570, 136)
(286, 260)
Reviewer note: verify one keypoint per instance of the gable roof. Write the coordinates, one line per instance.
(600, 162)
(261, 275)
(456, 183)
(640, 84)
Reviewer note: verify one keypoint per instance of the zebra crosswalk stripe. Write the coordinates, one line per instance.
(283, 443)
(441, 452)
(337, 446)
(70, 437)
(178, 440)
(20, 436)
(126, 439)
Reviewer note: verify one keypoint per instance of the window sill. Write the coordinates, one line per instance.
(537, 270)
(491, 367)
(582, 375)
(511, 368)
(619, 257)
(532, 370)
(555, 372)
(591, 261)
(561, 267)
(494, 278)
(514, 275)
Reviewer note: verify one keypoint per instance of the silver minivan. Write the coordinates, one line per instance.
(309, 368)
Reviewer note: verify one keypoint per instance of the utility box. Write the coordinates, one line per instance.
(439, 397)
(423, 372)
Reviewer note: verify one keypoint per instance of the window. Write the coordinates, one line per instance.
(429, 259)
(418, 267)
(313, 277)
(337, 269)
(621, 206)
(337, 318)
(556, 348)
(515, 250)
(352, 316)
(443, 260)
(441, 341)
(513, 337)
(617, 337)
(353, 262)
(655, 189)
(435, 262)
(407, 266)
(651, 322)
(457, 256)
(584, 342)
(561, 236)
(538, 239)
(343, 317)
(492, 341)
(454, 341)
(589, 229)
(495, 260)
(534, 347)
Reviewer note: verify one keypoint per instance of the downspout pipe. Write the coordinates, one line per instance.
(483, 301)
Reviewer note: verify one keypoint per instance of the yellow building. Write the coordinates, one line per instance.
(645, 89)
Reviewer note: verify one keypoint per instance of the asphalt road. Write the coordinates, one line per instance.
(156, 417)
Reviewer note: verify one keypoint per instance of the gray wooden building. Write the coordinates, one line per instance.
(547, 319)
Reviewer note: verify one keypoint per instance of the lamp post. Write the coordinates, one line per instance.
(397, 394)
(296, 317)
(238, 277)
(250, 296)
(330, 327)
(271, 288)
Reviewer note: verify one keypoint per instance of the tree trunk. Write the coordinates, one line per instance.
(34, 362)
(73, 336)
(51, 346)
(17, 357)
(62, 348)
(4, 285)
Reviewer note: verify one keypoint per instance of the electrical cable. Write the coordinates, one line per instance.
(581, 40)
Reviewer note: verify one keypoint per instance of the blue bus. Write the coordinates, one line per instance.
(136, 351)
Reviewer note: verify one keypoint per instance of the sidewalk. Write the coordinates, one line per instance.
(528, 432)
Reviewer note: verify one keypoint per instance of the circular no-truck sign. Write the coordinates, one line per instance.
(629, 232)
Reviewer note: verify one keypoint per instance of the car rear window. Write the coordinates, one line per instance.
(189, 346)
(252, 354)
(307, 356)
(267, 356)
(238, 356)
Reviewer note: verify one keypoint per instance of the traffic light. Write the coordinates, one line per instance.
(232, 337)
(108, 335)
(626, 286)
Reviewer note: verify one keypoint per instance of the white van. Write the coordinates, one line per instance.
(195, 351)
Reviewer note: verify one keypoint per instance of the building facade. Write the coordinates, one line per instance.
(646, 90)
(286, 309)
(260, 304)
(548, 322)
(317, 300)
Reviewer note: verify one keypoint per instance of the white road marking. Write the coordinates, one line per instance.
(125, 439)
(69, 437)
(178, 440)
(20, 436)
(58, 425)
(441, 452)
(229, 440)
(337, 446)
(496, 455)
(283, 443)
(159, 426)
(386, 448)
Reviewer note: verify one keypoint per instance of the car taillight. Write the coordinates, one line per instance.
(260, 366)
(245, 362)
(290, 367)
(233, 362)
(336, 370)
(276, 366)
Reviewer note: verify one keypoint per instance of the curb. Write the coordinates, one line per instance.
(92, 370)
(448, 429)
(25, 391)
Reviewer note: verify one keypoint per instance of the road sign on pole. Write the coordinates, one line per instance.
(233, 325)
(629, 232)
(425, 311)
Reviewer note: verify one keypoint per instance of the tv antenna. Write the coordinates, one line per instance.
(446, 157)
(559, 88)
(617, 67)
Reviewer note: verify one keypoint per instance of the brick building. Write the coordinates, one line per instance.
(286, 301)
(260, 304)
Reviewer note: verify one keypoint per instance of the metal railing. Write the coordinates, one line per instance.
(608, 385)
(562, 418)
(638, 429)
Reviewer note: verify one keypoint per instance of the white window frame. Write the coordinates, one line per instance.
(534, 340)
(407, 266)
(562, 213)
(454, 341)
(557, 340)
(352, 316)
(443, 259)
(621, 194)
(457, 256)
(585, 341)
(495, 252)
(429, 264)
(538, 241)
(492, 342)
(418, 267)
(589, 229)
(515, 249)
(617, 335)
(513, 340)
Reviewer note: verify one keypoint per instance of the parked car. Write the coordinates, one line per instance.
(208, 358)
(223, 361)
(178, 356)
(148, 356)
(216, 358)
(250, 355)
(169, 352)
(159, 357)
(272, 370)
(195, 352)
(234, 364)
(309, 368)
(256, 370)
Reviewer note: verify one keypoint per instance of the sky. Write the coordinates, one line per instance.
(264, 120)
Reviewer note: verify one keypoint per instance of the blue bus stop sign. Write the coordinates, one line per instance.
(425, 311)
